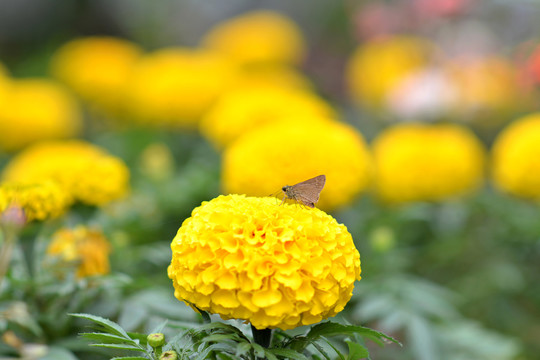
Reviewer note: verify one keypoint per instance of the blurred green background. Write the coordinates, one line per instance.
(450, 260)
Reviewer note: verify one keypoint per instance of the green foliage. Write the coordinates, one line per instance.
(224, 341)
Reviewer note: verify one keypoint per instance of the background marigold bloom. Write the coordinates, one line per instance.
(34, 110)
(39, 201)
(4, 81)
(273, 76)
(86, 171)
(96, 68)
(420, 162)
(516, 158)
(174, 86)
(87, 247)
(238, 112)
(285, 153)
(274, 266)
(376, 68)
(485, 86)
(258, 37)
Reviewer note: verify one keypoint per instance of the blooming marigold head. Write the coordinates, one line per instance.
(174, 86)
(274, 266)
(36, 109)
(86, 171)
(264, 160)
(38, 201)
(515, 158)
(377, 67)
(421, 162)
(88, 248)
(258, 37)
(96, 68)
(238, 112)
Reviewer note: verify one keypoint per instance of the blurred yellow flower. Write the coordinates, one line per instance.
(271, 75)
(485, 86)
(274, 266)
(157, 162)
(258, 37)
(39, 201)
(84, 170)
(97, 68)
(87, 248)
(238, 112)
(516, 158)
(34, 110)
(376, 68)
(285, 153)
(174, 86)
(421, 162)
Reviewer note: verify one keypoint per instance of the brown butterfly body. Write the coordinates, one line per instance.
(306, 192)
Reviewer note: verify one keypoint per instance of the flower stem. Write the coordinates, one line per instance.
(262, 337)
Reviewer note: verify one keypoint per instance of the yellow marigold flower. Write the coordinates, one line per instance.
(485, 85)
(175, 86)
(240, 111)
(87, 247)
(274, 266)
(376, 68)
(421, 162)
(96, 68)
(86, 171)
(258, 37)
(34, 110)
(39, 201)
(516, 158)
(285, 153)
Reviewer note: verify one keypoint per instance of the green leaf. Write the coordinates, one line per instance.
(259, 350)
(288, 354)
(120, 346)
(220, 337)
(142, 338)
(242, 348)
(334, 329)
(129, 358)
(109, 325)
(105, 337)
(357, 351)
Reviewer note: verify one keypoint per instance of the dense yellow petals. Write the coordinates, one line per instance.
(422, 162)
(39, 201)
(247, 281)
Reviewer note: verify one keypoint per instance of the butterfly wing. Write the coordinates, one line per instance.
(307, 192)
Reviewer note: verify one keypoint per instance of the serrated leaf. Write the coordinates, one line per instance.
(214, 347)
(129, 358)
(119, 346)
(321, 350)
(111, 326)
(357, 351)
(140, 338)
(288, 354)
